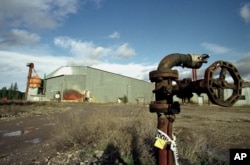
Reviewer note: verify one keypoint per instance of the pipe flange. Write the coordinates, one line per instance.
(157, 75)
(168, 109)
(158, 108)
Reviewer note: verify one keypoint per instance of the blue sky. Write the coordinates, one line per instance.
(126, 37)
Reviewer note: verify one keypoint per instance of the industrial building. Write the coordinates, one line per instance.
(83, 83)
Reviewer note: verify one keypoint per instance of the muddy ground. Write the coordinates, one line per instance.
(27, 138)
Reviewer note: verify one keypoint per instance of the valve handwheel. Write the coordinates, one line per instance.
(216, 86)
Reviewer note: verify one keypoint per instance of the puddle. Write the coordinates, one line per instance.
(14, 133)
(34, 141)
(19, 132)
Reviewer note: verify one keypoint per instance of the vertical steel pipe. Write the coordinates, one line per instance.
(163, 126)
(164, 91)
(170, 133)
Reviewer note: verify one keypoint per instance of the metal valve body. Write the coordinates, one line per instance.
(164, 76)
(212, 85)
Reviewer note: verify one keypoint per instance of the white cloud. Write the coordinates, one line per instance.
(26, 36)
(215, 48)
(138, 71)
(125, 51)
(115, 35)
(81, 49)
(21, 21)
(37, 14)
(89, 51)
(245, 12)
(19, 38)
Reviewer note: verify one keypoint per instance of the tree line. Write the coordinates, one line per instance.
(11, 93)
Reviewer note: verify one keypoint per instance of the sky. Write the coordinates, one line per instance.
(125, 37)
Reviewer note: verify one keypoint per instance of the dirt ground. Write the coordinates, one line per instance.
(28, 139)
(219, 128)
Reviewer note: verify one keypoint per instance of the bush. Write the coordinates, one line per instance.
(125, 99)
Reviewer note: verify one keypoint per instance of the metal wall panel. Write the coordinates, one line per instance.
(53, 85)
(101, 85)
(108, 87)
(63, 83)
(246, 95)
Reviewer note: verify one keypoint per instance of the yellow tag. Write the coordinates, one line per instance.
(160, 143)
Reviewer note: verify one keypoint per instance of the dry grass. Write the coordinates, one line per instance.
(194, 147)
(124, 135)
(129, 133)
(189, 145)
(14, 110)
(210, 132)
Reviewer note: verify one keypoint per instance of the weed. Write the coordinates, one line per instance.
(126, 133)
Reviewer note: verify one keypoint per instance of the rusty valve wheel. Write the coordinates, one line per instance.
(215, 86)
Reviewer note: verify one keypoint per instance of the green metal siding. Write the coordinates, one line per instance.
(62, 83)
(75, 82)
(108, 87)
(53, 85)
(103, 86)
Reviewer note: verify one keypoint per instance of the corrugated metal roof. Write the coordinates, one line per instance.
(79, 70)
(68, 70)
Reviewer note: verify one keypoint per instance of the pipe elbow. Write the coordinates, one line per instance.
(184, 60)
